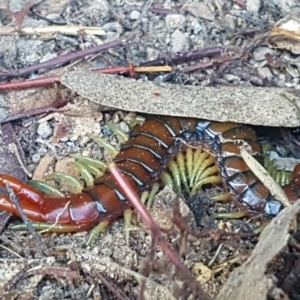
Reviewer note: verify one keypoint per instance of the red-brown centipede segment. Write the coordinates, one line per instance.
(145, 159)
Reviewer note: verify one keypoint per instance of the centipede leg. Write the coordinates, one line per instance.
(96, 231)
(222, 197)
(49, 227)
(147, 198)
(127, 222)
(232, 215)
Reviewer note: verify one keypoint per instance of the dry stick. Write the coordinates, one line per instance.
(15, 200)
(262, 174)
(185, 56)
(29, 83)
(66, 30)
(148, 220)
(139, 278)
(113, 288)
(58, 61)
(56, 79)
(152, 67)
(36, 111)
(219, 61)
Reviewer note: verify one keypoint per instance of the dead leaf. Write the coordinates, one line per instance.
(253, 105)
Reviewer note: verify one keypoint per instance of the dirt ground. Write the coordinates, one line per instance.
(204, 43)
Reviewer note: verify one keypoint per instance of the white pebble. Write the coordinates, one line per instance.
(175, 21)
(35, 157)
(179, 41)
(253, 5)
(134, 15)
(44, 130)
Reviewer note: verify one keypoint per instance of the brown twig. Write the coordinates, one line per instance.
(55, 272)
(14, 198)
(130, 69)
(185, 56)
(32, 112)
(36, 111)
(156, 232)
(119, 294)
(211, 63)
(60, 60)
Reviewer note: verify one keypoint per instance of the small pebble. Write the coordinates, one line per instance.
(179, 41)
(73, 138)
(42, 151)
(265, 73)
(134, 15)
(44, 130)
(253, 5)
(116, 118)
(199, 10)
(174, 21)
(124, 127)
(36, 158)
(107, 117)
(64, 139)
(31, 167)
(259, 54)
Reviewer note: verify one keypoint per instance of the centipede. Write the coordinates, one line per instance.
(155, 148)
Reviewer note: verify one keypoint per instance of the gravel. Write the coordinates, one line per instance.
(153, 30)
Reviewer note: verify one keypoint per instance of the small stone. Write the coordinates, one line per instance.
(84, 140)
(253, 6)
(134, 15)
(36, 158)
(229, 21)
(64, 139)
(124, 127)
(179, 41)
(117, 116)
(265, 73)
(107, 117)
(44, 130)
(42, 151)
(73, 138)
(259, 54)
(284, 5)
(31, 167)
(175, 21)
(152, 53)
(199, 10)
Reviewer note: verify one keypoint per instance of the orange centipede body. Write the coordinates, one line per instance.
(141, 160)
